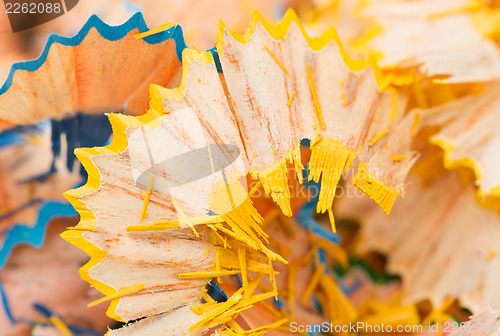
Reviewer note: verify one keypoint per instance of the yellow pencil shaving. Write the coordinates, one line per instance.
(271, 309)
(323, 302)
(197, 309)
(317, 106)
(219, 309)
(277, 60)
(153, 227)
(236, 327)
(121, 293)
(265, 288)
(244, 221)
(291, 98)
(226, 317)
(194, 221)
(231, 234)
(387, 81)
(399, 157)
(230, 259)
(217, 263)
(156, 30)
(275, 182)
(226, 332)
(83, 228)
(287, 329)
(313, 283)
(144, 213)
(253, 299)
(185, 218)
(252, 286)
(316, 140)
(243, 266)
(294, 158)
(378, 137)
(284, 312)
(196, 48)
(383, 195)
(405, 315)
(230, 195)
(337, 252)
(340, 307)
(273, 279)
(207, 298)
(205, 275)
(254, 189)
(271, 326)
(306, 259)
(332, 220)
(329, 159)
(437, 314)
(60, 325)
(214, 229)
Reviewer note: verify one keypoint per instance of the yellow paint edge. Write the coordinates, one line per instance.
(279, 31)
(158, 92)
(489, 199)
(75, 236)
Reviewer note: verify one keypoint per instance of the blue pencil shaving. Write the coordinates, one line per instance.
(305, 218)
(110, 33)
(5, 303)
(216, 292)
(277, 302)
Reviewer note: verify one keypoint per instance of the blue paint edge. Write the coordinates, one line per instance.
(46, 312)
(5, 303)
(110, 33)
(22, 234)
(215, 56)
(305, 218)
